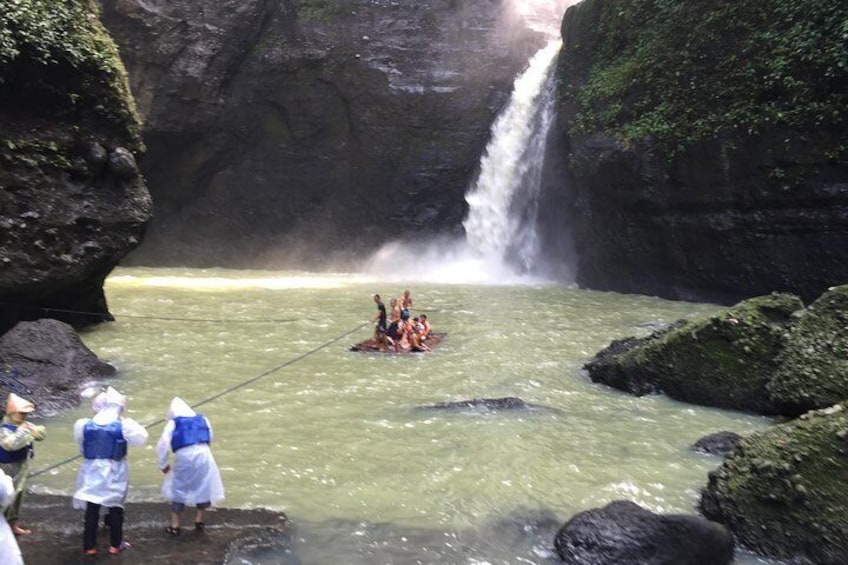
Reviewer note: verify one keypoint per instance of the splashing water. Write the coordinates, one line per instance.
(500, 244)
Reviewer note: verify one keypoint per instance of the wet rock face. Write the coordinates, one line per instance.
(72, 201)
(623, 533)
(279, 130)
(782, 491)
(724, 219)
(46, 362)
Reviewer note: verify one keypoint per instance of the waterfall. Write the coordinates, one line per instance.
(501, 244)
(503, 201)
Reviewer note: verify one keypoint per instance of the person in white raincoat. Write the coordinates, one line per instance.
(194, 478)
(10, 551)
(103, 478)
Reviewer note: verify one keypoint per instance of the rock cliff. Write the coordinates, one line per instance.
(705, 146)
(72, 202)
(284, 132)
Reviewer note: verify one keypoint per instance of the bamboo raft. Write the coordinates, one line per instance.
(371, 346)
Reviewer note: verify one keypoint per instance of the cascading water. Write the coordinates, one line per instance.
(501, 243)
(503, 202)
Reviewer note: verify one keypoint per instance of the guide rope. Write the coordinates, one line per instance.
(103, 315)
(218, 395)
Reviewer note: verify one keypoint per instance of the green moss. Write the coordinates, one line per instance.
(32, 150)
(784, 492)
(813, 369)
(725, 360)
(59, 55)
(680, 71)
(319, 10)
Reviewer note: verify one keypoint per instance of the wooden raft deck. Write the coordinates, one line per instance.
(370, 346)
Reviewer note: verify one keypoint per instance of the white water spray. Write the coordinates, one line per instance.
(501, 244)
(503, 202)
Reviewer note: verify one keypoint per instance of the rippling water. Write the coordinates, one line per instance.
(339, 440)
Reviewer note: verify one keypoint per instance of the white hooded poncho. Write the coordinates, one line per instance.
(10, 551)
(194, 477)
(106, 481)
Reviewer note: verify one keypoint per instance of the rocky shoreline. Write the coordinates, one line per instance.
(229, 533)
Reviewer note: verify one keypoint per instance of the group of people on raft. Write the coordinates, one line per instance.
(395, 331)
(103, 477)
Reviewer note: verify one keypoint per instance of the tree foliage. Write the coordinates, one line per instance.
(683, 70)
(53, 31)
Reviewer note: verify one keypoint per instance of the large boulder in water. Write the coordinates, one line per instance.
(812, 370)
(725, 360)
(624, 533)
(784, 492)
(46, 362)
(767, 355)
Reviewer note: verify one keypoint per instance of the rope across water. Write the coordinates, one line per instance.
(223, 392)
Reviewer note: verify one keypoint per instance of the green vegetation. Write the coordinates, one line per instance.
(50, 32)
(33, 151)
(58, 55)
(813, 369)
(680, 71)
(723, 360)
(319, 10)
(783, 491)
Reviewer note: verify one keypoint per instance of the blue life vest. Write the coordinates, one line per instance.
(18, 454)
(189, 430)
(104, 442)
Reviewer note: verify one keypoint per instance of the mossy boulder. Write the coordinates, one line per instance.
(72, 201)
(812, 370)
(784, 492)
(725, 360)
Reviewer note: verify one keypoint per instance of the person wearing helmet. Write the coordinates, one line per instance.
(103, 478)
(16, 450)
(194, 479)
(10, 551)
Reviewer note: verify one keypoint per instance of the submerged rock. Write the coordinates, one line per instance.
(506, 403)
(784, 492)
(719, 443)
(624, 533)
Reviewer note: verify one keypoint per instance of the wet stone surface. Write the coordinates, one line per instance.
(229, 533)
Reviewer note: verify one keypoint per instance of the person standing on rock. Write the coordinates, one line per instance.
(10, 551)
(103, 478)
(16, 437)
(194, 479)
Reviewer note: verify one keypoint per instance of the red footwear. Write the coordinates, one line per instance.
(92, 551)
(116, 550)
